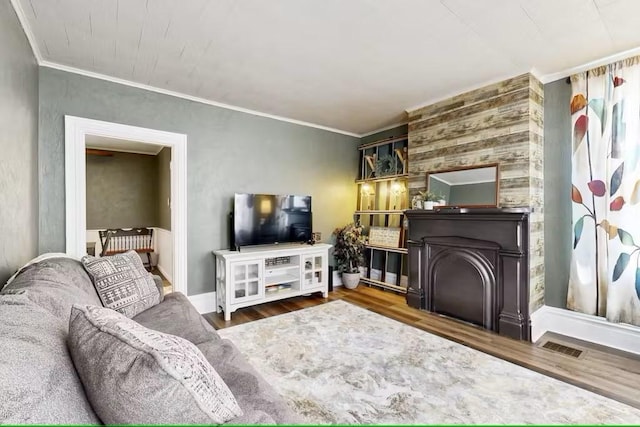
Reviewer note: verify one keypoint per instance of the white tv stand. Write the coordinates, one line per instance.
(250, 277)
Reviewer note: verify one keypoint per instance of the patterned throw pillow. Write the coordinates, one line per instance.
(135, 375)
(122, 282)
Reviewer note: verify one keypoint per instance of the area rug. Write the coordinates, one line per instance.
(339, 363)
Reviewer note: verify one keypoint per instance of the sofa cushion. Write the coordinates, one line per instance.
(133, 374)
(159, 285)
(177, 316)
(38, 382)
(55, 284)
(254, 395)
(122, 282)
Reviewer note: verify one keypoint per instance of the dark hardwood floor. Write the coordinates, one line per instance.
(605, 371)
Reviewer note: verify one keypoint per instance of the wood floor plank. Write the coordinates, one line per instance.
(611, 373)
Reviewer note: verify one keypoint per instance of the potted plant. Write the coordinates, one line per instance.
(349, 253)
(429, 198)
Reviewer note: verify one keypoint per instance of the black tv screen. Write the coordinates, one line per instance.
(260, 219)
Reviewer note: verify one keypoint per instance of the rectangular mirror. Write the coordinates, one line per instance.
(466, 186)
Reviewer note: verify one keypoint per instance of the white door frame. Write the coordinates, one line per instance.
(76, 129)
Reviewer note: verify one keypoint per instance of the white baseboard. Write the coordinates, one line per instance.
(204, 303)
(337, 279)
(585, 327)
(164, 273)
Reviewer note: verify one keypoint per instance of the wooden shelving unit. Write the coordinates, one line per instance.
(383, 196)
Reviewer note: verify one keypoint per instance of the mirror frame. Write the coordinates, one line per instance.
(462, 168)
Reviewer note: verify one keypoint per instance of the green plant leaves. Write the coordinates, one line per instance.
(616, 179)
(625, 237)
(575, 194)
(638, 282)
(577, 231)
(597, 187)
(579, 131)
(621, 265)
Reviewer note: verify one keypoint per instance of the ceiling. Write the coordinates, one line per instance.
(122, 145)
(353, 66)
(466, 176)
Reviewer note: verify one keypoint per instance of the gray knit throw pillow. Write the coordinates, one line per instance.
(122, 282)
(135, 375)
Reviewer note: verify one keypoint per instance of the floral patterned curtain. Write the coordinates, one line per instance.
(605, 266)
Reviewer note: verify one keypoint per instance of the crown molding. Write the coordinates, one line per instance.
(17, 7)
(155, 89)
(22, 18)
(552, 77)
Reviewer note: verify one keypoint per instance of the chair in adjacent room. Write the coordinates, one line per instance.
(118, 240)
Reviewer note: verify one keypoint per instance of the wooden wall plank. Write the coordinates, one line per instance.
(498, 123)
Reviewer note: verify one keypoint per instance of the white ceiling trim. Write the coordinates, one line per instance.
(547, 78)
(481, 181)
(27, 30)
(36, 52)
(188, 97)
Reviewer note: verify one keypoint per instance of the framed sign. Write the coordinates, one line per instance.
(385, 236)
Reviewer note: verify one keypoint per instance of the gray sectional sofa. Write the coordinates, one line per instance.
(38, 381)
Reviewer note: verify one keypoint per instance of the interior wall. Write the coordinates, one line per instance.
(164, 188)
(227, 152)
(18, 145)
(122, 191)
(483, 193)
(557, 194)
(442, 188)
(499, 123)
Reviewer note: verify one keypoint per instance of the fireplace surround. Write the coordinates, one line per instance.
(472, 264)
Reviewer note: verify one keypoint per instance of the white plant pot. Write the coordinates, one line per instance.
(351, 280)
(428, 205)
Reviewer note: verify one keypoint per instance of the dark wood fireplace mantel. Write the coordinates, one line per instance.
(472, 264)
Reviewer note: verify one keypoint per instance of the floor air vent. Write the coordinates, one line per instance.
(559, 348)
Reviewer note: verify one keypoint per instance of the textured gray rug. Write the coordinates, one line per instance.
(338, 363)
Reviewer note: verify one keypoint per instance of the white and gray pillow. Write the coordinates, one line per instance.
(122, 282)
(135, 375)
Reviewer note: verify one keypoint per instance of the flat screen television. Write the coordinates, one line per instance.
(260, 219)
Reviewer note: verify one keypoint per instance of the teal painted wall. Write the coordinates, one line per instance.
(227, 152)
(438, 187)
(18, 145)
(557, 192)
(473, 194)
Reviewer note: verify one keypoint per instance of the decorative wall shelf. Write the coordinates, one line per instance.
(383, 196)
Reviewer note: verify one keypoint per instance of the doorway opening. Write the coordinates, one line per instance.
(121, 177)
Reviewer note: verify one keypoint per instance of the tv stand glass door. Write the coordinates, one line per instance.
(247, 279)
